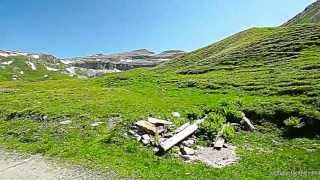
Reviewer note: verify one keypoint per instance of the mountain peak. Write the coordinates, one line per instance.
(311, 14)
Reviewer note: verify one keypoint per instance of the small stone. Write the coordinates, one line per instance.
(188, 143)
(65, 122)
(176, 114)
(138, 138)
(186, 157)
(95, 124)
(187, 151)
(46, 76)
(155, 150)
(168, 135)
(146, 139)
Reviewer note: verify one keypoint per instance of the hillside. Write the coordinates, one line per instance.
(269, 74)
(310, 15)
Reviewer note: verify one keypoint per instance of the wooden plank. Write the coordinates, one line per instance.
(158, 121)
(248, 122)
(166, 145)
(147, 126)
(219, 142)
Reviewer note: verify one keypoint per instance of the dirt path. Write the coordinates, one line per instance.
(16, 167)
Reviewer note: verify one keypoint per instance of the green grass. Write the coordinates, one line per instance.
(271, 74)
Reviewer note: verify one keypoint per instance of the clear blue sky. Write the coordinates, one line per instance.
(68, 28)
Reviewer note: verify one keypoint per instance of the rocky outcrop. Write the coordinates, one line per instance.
(123, 61)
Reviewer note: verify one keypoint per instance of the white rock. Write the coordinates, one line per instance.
(65, 122)
(188, 143)
(146, 139)
(176, 114)
(46, 76)
(95, 124)
(187, 151)
(21, 72)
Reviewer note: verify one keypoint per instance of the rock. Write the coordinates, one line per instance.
(187, 151)
(155, 150)
(138, 138)
(95, 124)
(156, 121)
(187, 157)
(133, 133)
(46, 76)
(168, 135)
(146, 139)
(188, 143)
(147, 126)
(176, 114)
(161, 129)
(65, 122)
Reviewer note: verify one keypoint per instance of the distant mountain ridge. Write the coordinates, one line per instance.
(15, 65)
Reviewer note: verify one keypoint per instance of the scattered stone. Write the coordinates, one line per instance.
(155, 150)
(147, 126)
(146, 139)
(95, 124)
(168, 135)
(176, 114)
(187, 151)
(65, 122)
(188, 143)
(187, 157)
(156, 121)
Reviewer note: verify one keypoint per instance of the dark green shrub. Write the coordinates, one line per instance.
(232, 114)
(293, 122)
(229, 132)
(213, 124)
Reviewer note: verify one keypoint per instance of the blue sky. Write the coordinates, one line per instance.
(67, 28)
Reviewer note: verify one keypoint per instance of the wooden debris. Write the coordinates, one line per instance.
(147, 126)
(248, 122)
(179, 129)
(219, 142)
(158, 121)
(165, 146)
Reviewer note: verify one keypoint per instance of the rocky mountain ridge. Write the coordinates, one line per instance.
(89, 66)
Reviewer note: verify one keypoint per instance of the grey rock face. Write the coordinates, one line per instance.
(123, 61)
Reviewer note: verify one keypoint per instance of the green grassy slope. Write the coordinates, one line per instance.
(281, 62)
(271, 74)
(310, 15)
(19, 69)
